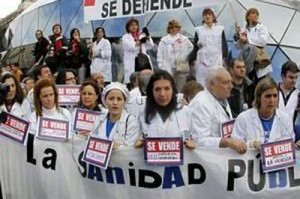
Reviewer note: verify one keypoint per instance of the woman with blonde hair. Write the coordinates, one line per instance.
(264, 122)
(46, 104)
(173, 48)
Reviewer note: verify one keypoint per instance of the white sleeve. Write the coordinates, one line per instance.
(239, 130)
(201, 126)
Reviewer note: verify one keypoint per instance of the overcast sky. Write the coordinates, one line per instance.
(8, 6)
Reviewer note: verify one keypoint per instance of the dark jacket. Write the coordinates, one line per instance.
(40, 49)
(248, 94)
(75, 61)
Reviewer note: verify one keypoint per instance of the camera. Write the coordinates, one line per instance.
(4, 89)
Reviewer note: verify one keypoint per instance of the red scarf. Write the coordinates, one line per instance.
(136, 35)
(75, 47)
(57, 45)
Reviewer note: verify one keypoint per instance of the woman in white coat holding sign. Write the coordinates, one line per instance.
(163, 116)
(134, 42)
(46, 105)
(263, 123)
(100, 54)
(116, 125)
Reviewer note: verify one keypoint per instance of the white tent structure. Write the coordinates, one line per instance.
(281, 17)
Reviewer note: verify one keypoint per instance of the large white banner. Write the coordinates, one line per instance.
(54, 170)
(105, 9)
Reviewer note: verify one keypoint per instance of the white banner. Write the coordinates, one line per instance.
(47, 170)
(106, 9)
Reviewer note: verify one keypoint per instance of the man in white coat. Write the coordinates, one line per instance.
(288, 94)
(210, 109)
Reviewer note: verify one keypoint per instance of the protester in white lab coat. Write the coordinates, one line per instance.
(100, 54)
(288, 94)
(264, 122)
(173, 47)
(210, 109)
(252, 38)
(46, 104)
(210, 45)
(137, 103)
(134, 42)
(14, 102)
(162, 116)
(117, 124)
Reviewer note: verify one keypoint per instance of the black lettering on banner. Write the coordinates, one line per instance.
(156, 182)
(30, 142)
(232, 174)
(192, 168)
(293, 182)
(118, 173)
(187, 4)
(177, 4)
(165, 4)
(262, 178)
(146, 5)
(83, 168)
(137, 7)
(132, 176)
(154, 5)
(50, 161)
(113, 8)
(105, 9)
(95, 172)
(126, 5)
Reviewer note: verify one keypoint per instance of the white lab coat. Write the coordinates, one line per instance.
(102, 62)
(135, 105)
(178, 124)
(172, 48)
(62, 114)
(207, 118)
(258, 36)
(210, 53)
(291, 104)
(125, 131)
(19, 110)
(135, 92)
(248, 127)
(131, 51)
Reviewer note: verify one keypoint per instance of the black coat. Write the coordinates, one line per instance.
(234, 99)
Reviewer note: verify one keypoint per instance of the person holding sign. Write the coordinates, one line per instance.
(264, 122)
(210, 111)
(46, 105)
(116, 125)
(134, 42)
(163, 116)
(15, 102)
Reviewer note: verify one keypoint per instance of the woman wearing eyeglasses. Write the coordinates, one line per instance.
(173, 47)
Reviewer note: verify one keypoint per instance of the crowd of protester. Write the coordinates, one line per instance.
(189, 91)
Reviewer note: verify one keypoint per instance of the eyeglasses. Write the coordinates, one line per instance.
(171, 27)
(71, 78)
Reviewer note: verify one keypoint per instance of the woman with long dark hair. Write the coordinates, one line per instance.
(14, 101)
(100, 53)
(163, 116)
(77, 54)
